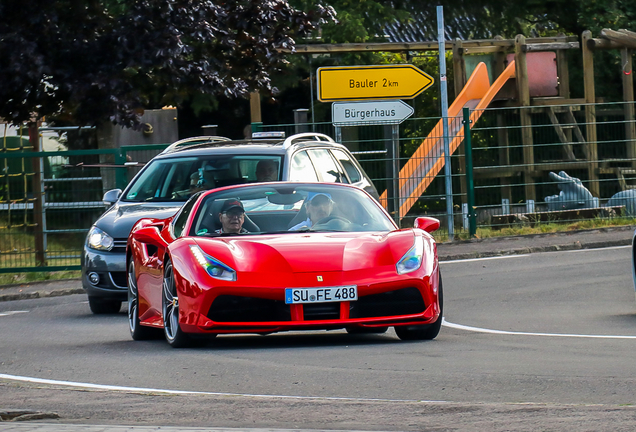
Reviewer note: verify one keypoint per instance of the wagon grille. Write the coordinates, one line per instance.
(119, 245)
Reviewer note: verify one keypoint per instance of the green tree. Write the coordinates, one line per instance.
(94, 60)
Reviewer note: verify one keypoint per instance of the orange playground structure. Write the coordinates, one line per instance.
(428, 159)
(538, 84)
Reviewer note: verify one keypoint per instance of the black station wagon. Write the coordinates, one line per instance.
(196, 164)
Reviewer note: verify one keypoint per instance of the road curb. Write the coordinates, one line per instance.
(522, 251)
(40, 294)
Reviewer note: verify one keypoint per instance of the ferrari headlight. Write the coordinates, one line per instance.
(98, 239)
(212, 266)
(412, 260)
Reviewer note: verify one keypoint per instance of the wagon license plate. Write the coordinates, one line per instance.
(321, 295)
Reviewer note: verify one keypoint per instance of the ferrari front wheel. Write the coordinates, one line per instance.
(137, 331)
(424, 332)
(170, 309)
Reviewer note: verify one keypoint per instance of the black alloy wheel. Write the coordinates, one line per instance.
(137, 331)
(170, 310)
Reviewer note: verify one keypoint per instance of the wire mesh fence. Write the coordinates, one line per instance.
(560, 168)
(590, 149)
(49, 200)
(560, 164)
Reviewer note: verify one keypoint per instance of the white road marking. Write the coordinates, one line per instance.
(12, 313)
(484, 259)
(504, 332)
(188, 392)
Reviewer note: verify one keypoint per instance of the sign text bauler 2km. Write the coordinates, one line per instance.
(371, 82)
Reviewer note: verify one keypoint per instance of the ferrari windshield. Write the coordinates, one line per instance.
(289, 208)
(176, 179)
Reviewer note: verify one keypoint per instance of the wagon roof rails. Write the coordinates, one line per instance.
(307, 136)
(194, 141)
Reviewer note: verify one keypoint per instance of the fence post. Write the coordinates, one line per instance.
(470, 185)
(300, 120)
(120, 172)
(505, 206)
(530, 208)
(38, 195)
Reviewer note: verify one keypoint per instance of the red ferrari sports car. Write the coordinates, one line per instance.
(270, 257)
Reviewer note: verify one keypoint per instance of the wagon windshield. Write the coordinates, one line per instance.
(178, 178)
(286, 208)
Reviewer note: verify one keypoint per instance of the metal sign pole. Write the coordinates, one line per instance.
(395, 140)
(444, 98)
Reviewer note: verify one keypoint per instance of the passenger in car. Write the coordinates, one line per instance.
(266, 170)
(202, 179)
(232, 217)
(319, 207)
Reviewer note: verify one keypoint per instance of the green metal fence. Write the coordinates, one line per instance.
(514, 161)
(49, 200)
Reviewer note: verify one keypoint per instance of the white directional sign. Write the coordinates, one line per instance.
(370, 112)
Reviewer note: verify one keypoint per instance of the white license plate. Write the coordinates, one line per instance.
(321, 295)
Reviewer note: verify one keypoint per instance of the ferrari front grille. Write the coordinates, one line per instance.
(321, 311)
(229, 308)
(405, 301)
(235, 309)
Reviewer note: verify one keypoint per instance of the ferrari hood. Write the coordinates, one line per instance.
(311, 252)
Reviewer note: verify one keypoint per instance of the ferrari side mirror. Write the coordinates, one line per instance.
(427, 224)
(149, 235)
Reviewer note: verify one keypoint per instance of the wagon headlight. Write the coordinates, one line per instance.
(412, 260)
(98, 239)
(212, 266)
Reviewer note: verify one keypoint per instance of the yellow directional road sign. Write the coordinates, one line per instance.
(371, 82)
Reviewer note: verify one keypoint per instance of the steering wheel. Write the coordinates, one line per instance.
(326, 220)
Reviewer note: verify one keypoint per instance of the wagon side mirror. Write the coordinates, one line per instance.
(149, 235)
(427, 224)
(111, 197)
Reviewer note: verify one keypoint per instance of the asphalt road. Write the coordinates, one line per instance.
(531, 342)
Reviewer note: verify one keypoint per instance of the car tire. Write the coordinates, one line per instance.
(428, 331)
(367, 330)
(170, 310)
(137, 331)
(103, 306)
